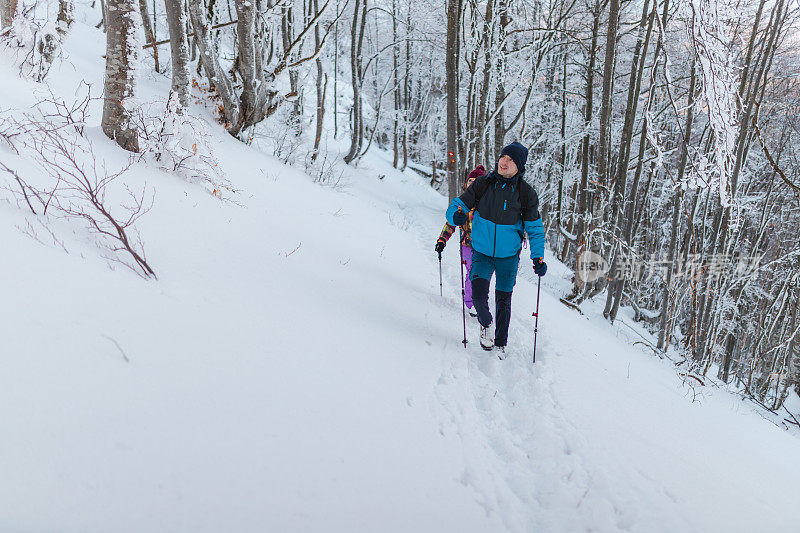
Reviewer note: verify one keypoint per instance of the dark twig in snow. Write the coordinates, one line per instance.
(118, 348)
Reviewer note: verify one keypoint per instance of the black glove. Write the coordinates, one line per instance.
(459, 218)
(439, 246)
(539, 266)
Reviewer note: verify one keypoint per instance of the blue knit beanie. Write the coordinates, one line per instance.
(518, 154)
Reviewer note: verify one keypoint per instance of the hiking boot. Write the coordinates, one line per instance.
(487, 343)
(501, 352)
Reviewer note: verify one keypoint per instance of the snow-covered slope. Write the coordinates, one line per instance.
(295, 369)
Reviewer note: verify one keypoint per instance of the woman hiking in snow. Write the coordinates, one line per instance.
(502, 207)
(466, 240)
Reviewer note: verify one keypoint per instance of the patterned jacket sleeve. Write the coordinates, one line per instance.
(447, 232)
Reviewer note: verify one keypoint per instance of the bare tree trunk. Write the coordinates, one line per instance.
(322, 85)
(499, 117)
(253, 100)
(8, 9)
(604, 147)
(103, 11)
(451, 74)
(794, 348)
(461, 156)
(634, 85)
(562, 156)
(583, 202)
(214, 70)
(336, 74)
(122, 55)
(287, 31)
(356, 76)
(396, 125)
(148, 31)
(407, 87)
(500, 93)
(666, 325)
(480, 126)
(179, 47)
(65, 18)
(472, 58)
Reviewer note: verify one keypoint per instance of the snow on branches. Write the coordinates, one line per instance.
(35, 42)
(712, 33)
(178, 143)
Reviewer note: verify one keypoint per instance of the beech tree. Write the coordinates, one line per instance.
(7, 10)
(451, 68)
(122, 55)
(177, 22)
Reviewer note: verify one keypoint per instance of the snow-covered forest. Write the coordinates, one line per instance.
(220, 218)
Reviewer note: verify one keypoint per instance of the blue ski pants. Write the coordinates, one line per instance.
(505, 271)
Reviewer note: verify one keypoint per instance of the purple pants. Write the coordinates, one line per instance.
(466, 251)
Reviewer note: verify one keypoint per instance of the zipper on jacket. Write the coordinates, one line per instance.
(494, 246)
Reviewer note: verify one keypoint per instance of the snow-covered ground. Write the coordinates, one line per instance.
(294, 368)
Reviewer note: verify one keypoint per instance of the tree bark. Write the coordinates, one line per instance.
(604, 147)
(65, 18)
(666, 325)
(8, 9)
(287, 31)
(407, 86)
(253, 100)
(620, 183)
(322, 86)
(122, 55)
(396, 124)
(148, 31)
(583, 193)
(179, 48)
(214, 71)
(562, 156)
(480, 125)
(451, 74)
(500, 93)
(356, 78)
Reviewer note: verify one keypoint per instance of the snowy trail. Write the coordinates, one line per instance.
(507, 416)
(597, 436)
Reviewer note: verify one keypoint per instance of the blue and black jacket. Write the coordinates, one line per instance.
(506, 208)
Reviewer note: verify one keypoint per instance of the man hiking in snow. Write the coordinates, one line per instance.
(506, 207)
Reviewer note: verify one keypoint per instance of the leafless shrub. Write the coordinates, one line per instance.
(179, 143)
(326, 170)
(9, 131)
(281, 136)
(399, 220)
(74, 184)
(73, 115)
(26, 191)
(792, 418)
(34, 230)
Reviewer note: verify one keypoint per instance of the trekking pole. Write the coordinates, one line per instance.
(463, 294)
(441, 293)
(536, 314)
